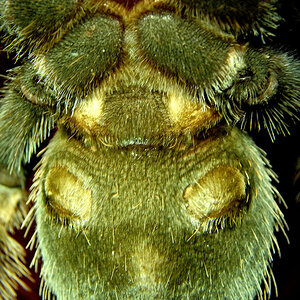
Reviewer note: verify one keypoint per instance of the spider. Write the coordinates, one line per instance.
(147, 184)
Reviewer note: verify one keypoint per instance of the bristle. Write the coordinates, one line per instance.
(30, 32)
(261, 20)
(45, 290)
(282, 110)
(12, 266)
(21, 136)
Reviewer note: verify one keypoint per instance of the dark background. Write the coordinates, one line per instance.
(283, 155)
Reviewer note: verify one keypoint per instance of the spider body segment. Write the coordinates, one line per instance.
(150, 187)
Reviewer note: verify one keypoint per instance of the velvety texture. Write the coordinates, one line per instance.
(149, 188)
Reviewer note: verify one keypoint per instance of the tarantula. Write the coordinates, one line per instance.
(147, 186)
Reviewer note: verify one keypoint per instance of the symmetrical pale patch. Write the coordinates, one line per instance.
(176, 113)
(218, 194)
(89, 115)
(147, 79)
(67, 195)
(186, 114)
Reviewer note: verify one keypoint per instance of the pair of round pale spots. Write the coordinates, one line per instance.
(220, 193)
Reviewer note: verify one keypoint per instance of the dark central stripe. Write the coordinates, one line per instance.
(129, 4)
